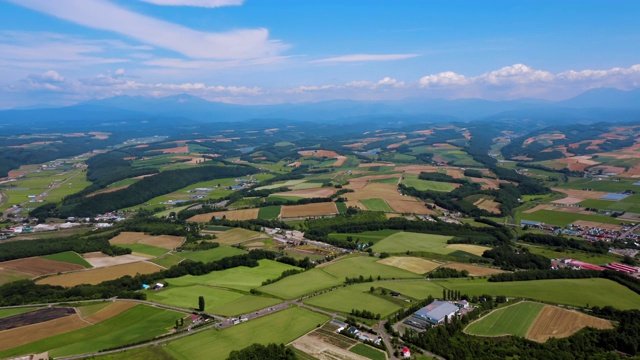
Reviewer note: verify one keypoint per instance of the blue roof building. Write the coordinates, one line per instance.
(435, 312)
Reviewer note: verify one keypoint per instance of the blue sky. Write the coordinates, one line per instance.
(272, 51)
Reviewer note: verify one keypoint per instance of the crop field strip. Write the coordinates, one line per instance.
(413, 264)
(237, 236)
(37, 266)
(407, 241)
(245, 214)
(314, 209)
(556, 322)
(98, 275)
(68, 256)
(514, 319)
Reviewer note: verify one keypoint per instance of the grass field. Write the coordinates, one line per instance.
(282, 184)
(346, 299)
(342, 207)
(144, 353)
(407, 241)
(376, 204)
(368, 351)
(211, 254)
(70, 257)
(301, 284)
(565, 218)
(281, 327)
(365, 237)
(240, 278)
(596, 259)
(9, 275)
(269, 212)
(98, 275)
(138, 323)
(577, 292)
(145, 249)
(511, 320)
(630, 204)
(245, 304)
(187, 296)
(167, 260)
(413, 181)
(416, 289)
(598, 185)
(15, 311)
(236, 236)
(365, 266)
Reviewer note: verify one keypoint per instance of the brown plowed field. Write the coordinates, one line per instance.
(474, 270)
(317, 209)
(35, 317)
(319, 153)
(127, 237)
(27, 334)
(38, 266)
(163, 241)
(356, 203)
(488, 205)
(244, 214)
(409, 207)
(98, 275)
(556, 322)
(413, 264)
(340, 160)
(309, 193)
(321, 350)
(105, 261)
(579, 194)
(110, 311)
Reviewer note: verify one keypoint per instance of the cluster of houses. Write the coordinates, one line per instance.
(585, 232)
(437, 313)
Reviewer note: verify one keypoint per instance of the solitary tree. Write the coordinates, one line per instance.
(201, 303)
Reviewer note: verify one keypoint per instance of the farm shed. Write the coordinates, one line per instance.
(530, 223)
(436, 312)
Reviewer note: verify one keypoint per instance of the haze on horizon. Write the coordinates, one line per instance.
(261, 52)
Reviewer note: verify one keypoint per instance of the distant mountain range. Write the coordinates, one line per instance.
(590, 106)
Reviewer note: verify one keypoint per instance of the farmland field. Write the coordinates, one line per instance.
(474, 270)
(245, 304)
(471, 249)
(314, 209)
(511, 320)
(346, 299)
(365, 237)
(211, 254)
(417, 289)
(269, 212)
(8, 275)
(365, 266)
(37, 266)
(244, 214)
(167, 260)
(98, 275)
(413, 264)
(281, 327)
(301, 284)
(368, 352)
(70, 257)
(322, 344)
(376, 204)
(413, 181)
(565, 218)
(556, 322)
(145, 249)
(138, 323)
(186, 297)
(237, 236)
(577, 292)
(596, 259)
(163, 241)
(407, 241)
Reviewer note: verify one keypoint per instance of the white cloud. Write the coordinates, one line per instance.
(196, 3)
(103, 15)
(365, 58)
(515, 74)
(447, 78)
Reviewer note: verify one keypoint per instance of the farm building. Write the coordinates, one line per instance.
(530, 223)
(622, 268)
(433, 314)
(406, 352)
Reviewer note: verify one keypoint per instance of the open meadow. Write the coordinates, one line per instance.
(511, 320)
(409, 263)
(69, 257)
(349, 298)
(237, 236)
(281, 327)
(408, 241)
(211, 254)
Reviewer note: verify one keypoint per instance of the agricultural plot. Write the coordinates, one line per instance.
(365, 266)
(237, 236)
(315, 209)
(301, 284)
(368, 352)
(163, 241)
(145, 250)
(576, 292)
(471, 249)
(346, 299)
(136, 324)
(324, 345)
(269, 212)
(376, 204)
(245, 304)
(408, 241)
(316, 192)
(186, 297)
(98, 259)
(98, 275)
(288, 183)
(365, 237)
(14, 311)
(244, 214)
(417, 289)
(413, 181)
(474, 270)
(211, 254)
(69, 257)
(556, 322)
(281, 327)
(409, 206)
(240, 278)
(561, 218)
(8, 275)
(413, 264)
(36, 266)
(629, 204)
(511, 320)
(596, 259)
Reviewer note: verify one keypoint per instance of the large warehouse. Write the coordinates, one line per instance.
(433, 314)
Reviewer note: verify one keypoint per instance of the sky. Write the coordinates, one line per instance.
(61, 52)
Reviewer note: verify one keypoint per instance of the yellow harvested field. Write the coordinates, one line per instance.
(98, 275)
(106, 261)
(556, 322)
(163, 241)
(26, 334)
(471, 249)
(579, 194)
(410, 206)
(474, 270)
(309, 193)
(356, 204)
(237, 236)
(244, 214)
(340, 160)
(317, 209)
(413, 264)
(488, 205)
(116, 308)
(375, 190)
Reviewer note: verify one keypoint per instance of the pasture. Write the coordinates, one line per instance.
(211, 254)
(416, 289)
(301, 284)
(142, 249)
(471, 249)
(412, 180)
(562, 218)
(365, 266)
(244, 214)
(69, 257)
(98, 275)
(237, 236)
(280, 327)
(37, 266)
(269, 212)
(576, 292)
(186, 297)
(8, 275)
(346, 299)
(474, 270)
(365, 237)
(511, 320)
(168, 242)
(408, 241)
(138, 323)
(413, 264)
(376, 204)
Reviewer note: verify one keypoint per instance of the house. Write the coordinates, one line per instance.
(352, 330)
(436, 312)
(406, 352)
(158, 286)
(462, 304)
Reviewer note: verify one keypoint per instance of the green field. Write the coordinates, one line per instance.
(365, 237)
(288, 183)
(376, 205)
(70, 257)
(408, 241)
(167, 260)
(211, 254)
(240, 278)
(144, 353)
(413, 181)
(186, 297)
(577, 292)
(145, 249)
(15, 311)
(511, 320)
(599, 185)
(365, 266)
(269, 212)
(416, 289)
(280, 198)
(246, 304)
(630, 204)
(596, 259)
(565, 218)
(349, 298)
(342, 207)
(281, 327)
(136, 324)
(368, 352)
